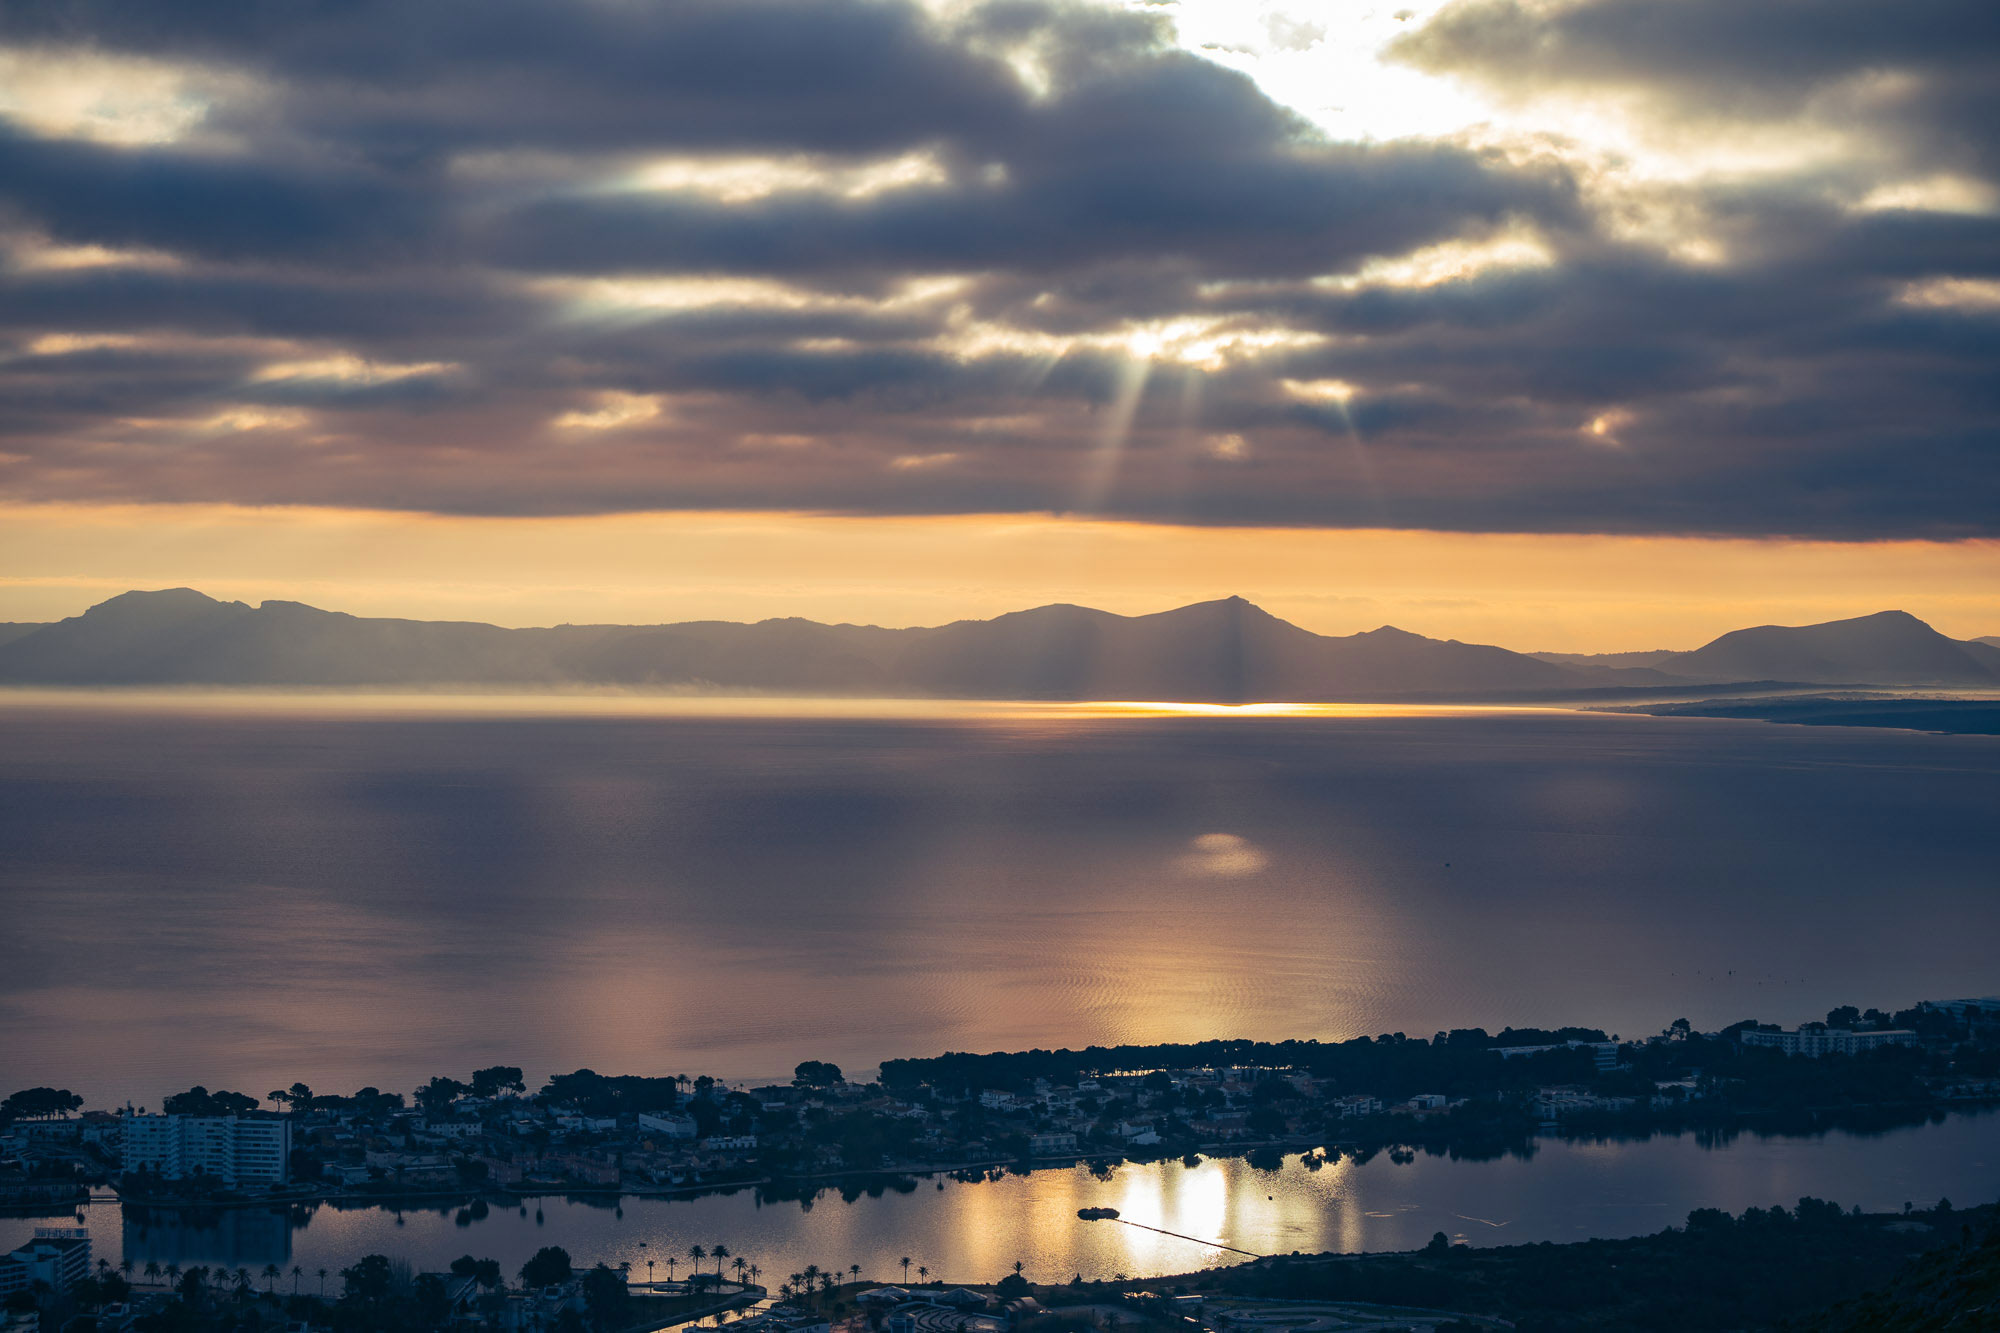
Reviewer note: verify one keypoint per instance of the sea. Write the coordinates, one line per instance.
(247, 892)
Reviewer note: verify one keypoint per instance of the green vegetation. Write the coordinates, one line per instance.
(38, 1104)
(380, 1295)
(200, 1101)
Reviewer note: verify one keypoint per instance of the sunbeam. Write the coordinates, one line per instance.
(1104, 460)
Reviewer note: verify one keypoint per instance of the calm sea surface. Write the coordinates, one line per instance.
(245, 897)
(974, 1232)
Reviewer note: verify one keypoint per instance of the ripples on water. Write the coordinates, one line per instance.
(372, 893)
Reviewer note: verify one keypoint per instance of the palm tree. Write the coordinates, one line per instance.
(854, 1271)
(297, 1273)
(718, 1253)
(271, 1274)
(812, 1279)
(741, 1265)
(905, 1262)
(152, 1271)
(671, 1261)
(322, 1283)
(695, 1255)
(755, 1272)
(649, 1272)
(125, 1266)
(173, 1273)
(922, 1272)
(1018, 1266)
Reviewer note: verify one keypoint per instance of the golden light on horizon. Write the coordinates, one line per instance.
(1527, 592)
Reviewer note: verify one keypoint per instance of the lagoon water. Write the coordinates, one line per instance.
(246, 896)
(974, 1232)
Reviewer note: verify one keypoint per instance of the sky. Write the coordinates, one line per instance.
(1603, 324)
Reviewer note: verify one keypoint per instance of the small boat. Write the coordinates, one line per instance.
(1097, 1214)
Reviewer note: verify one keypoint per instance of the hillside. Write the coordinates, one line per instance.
(1716, 1274)
(1956, 1287)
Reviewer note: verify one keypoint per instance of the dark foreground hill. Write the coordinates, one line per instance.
(1770, 1269)
(1956, 1287)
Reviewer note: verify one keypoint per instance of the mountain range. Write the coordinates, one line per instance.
(1226, 651)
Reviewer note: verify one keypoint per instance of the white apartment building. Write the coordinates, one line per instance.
(1986, 1006)
(57, 1256)
(233, 1149)
(1817, 1039)
(668, 1126)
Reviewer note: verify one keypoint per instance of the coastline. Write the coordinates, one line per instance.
(1748, 1122)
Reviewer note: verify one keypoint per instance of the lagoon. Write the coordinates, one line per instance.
(1564, 1191)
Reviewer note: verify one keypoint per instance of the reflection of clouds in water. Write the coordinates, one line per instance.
(1223, 855)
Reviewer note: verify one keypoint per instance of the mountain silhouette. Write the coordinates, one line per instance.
(1226, 651)
(1222, 651)
(1887, 648)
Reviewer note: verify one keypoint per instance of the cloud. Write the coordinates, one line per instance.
(1008, 256)
(1292, 34)
(1923, 74)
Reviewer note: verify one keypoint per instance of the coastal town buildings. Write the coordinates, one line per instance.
(235, 1150)
(980, 1115)
(1985, 1006)
(57, 1256)
(1816, 1039)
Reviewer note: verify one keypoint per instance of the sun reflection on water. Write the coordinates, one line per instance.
(614, 702)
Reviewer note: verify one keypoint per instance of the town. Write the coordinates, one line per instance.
(1466, 1092)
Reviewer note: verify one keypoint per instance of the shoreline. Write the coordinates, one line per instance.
(441, 1199)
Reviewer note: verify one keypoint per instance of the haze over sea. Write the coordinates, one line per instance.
(241, 894)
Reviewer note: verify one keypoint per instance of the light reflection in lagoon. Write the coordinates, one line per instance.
(974, 1231)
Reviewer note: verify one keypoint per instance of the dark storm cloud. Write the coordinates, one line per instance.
(193, 204)
(414, 79)
(1255, 207)
(1014, 256)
